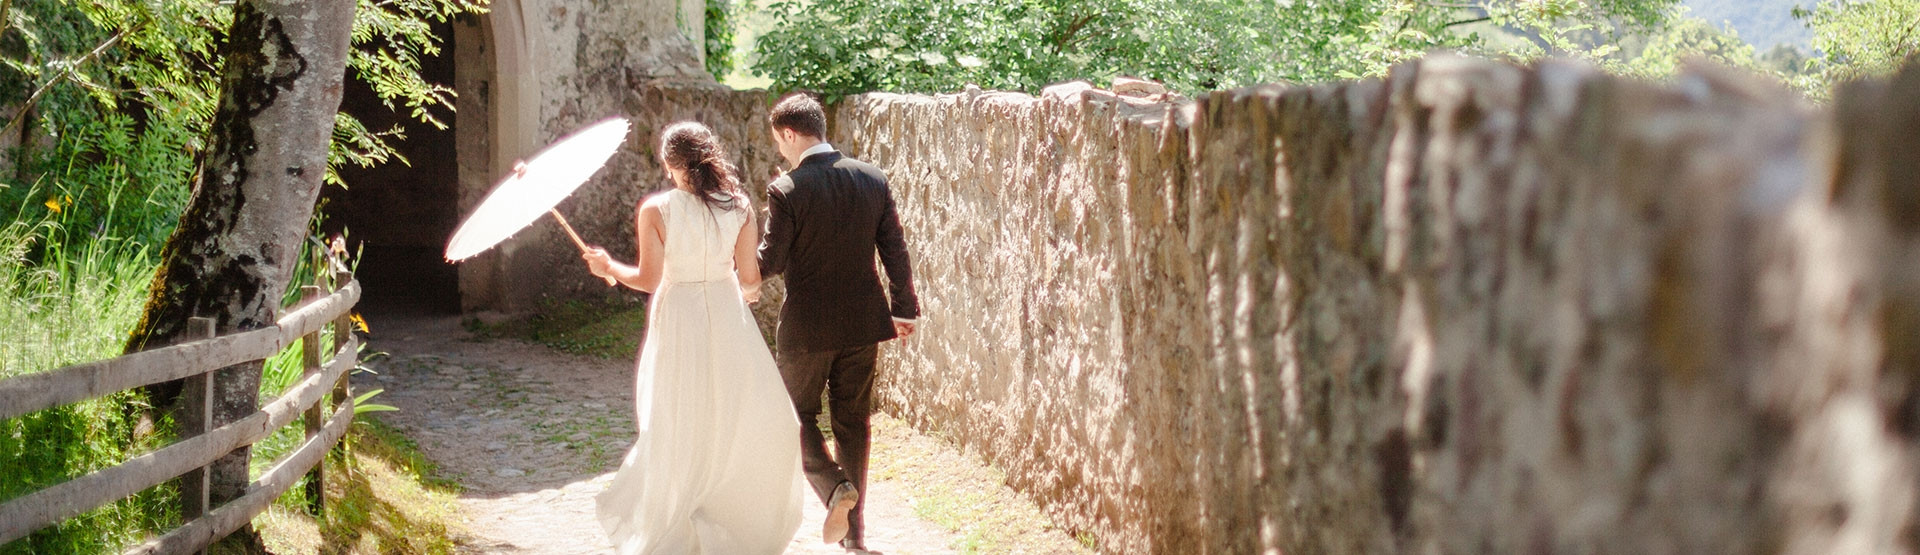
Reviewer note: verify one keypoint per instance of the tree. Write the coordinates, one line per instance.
(1860, 39)
(110, 101)
(721, 18)
(848, 46)
(258, 180)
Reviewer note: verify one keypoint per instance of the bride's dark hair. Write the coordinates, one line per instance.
(694, 149)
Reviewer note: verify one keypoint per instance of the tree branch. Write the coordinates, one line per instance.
(64, 74)
(1066, 37)
(4, 4)
(1466, 21)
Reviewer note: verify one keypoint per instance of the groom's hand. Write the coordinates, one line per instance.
(902, 329)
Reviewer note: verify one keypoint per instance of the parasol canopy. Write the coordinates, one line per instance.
(535, 187)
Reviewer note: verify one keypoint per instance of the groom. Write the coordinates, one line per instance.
(825, 220)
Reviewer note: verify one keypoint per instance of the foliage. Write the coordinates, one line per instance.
(1653, 49)
(121, 92)
(74, 306)
(1859, 39)
(110, 100)
(1661, 53)
(116, 135)
(840, 47)
(63, 310)
(390, 37)
(846, 46)
(721, 19)
(1766, 24)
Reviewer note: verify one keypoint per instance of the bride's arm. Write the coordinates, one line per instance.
(645, 274)
(746, 258)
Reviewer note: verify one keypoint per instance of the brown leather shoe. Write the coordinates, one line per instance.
(842, 502)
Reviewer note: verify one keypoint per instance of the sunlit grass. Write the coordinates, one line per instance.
(75, 304)
(65, 305)
(66, 301)
(961, 493)
(387, 501)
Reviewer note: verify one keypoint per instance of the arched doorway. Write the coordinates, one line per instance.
(399, 216)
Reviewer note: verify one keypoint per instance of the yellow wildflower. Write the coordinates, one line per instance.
(360, 322)
(53, 204)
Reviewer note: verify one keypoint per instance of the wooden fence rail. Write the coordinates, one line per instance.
(199, 444)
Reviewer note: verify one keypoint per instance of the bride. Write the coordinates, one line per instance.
(716, 468)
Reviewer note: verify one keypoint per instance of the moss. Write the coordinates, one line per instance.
(607, 329)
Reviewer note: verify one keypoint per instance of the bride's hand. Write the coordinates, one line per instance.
(750, 295)
(598, 262)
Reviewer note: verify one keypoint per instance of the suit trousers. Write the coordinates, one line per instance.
(846, 377)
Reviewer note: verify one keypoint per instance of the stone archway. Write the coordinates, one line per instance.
(399, 216)
(525, 73)
(493, 79)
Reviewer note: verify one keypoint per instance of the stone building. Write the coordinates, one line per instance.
(528, 72)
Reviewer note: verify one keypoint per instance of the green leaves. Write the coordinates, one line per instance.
(721, 15)
(842, 47)
(361, 404)
(128, 87)
(845, 46)
(1864, 38)
(390, 37)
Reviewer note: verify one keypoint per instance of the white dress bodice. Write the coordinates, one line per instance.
(700, 239)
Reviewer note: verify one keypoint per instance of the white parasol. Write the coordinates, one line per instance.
(535, 187)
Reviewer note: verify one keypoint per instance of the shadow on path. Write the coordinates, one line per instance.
(533, 434)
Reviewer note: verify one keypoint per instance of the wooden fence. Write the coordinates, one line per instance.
(186, 460)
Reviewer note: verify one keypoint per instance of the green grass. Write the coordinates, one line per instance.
(389, 500)
(65, 305)
(607, 329)
(961, 493)
(68, 300)
(73, 304)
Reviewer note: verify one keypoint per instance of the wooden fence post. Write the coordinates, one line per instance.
(194, 412)
(310, 365)
(342, 332)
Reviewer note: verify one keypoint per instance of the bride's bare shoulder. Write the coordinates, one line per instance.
(657, 201)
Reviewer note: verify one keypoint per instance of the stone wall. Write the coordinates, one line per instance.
(1467, 308)
(532, 72)
(546, 264)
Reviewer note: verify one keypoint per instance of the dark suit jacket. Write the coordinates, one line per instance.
(825, 220)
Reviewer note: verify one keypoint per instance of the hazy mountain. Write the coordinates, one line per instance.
(1762, 23)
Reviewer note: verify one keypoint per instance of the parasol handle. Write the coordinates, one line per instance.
(571, 235)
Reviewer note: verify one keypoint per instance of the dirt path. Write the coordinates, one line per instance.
(533, 434)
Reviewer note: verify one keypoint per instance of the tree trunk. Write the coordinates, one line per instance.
(240, 237)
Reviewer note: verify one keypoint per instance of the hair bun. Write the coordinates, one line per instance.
(696, 150)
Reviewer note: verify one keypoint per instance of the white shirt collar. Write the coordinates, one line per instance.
(817, 149)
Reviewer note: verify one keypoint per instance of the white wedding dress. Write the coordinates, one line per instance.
(716, 469)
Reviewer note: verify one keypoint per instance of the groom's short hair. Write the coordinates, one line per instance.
(800, 113)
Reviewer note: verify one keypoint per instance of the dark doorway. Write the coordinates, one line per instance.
(399, 216)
